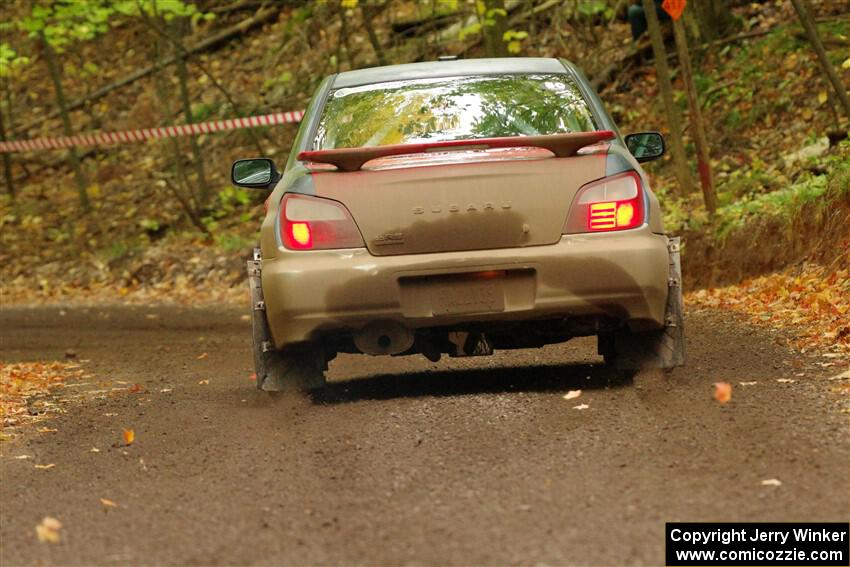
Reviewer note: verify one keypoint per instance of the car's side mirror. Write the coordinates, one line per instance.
(646, 146)
(258, 173)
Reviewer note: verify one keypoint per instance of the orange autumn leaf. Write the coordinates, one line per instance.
(722, 392)
(129, 436)
(202, 356)
(135, 388)
(108, 503)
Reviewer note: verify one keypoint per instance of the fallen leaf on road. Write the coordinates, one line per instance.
(110, 414)
(94, 450)
(572, 394)
(164, 390)
(253, 376)
(771, 482)
(785, 380)
(129, 436)
(48, 466)
(722, 392)
(203, 382)
(108, 503)
(48, 530)
(47, 430)
(135, 388)
(245, 318)
(202, 356)
(842, 376)
(151, 316)
(581, 406)
(23, 457)
(753, 383)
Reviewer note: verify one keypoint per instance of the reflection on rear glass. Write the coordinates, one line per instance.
(452, 108)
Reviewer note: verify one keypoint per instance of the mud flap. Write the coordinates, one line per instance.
(671, 347)
(276, 371)
(263, 346)
(657, 349)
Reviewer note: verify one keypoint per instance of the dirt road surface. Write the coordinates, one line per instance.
(402, 461)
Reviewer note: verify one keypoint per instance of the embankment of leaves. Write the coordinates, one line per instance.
(810, 303)
(809, 220)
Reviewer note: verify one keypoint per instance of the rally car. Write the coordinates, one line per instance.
(454, 208)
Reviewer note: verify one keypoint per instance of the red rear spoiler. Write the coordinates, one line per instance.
(352, 159)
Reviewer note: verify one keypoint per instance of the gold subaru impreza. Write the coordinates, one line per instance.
(457, 207)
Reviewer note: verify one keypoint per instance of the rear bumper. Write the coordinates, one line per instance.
(623, 275)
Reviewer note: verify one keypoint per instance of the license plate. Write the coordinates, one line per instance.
(467, 296)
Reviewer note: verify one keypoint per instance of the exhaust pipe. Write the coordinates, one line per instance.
(383, 337)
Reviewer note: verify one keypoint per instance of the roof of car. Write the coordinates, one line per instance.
(459, 67)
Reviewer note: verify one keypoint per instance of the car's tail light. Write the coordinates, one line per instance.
(311, 223)
(612, 203)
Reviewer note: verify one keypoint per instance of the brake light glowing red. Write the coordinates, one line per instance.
(611, 215)
(612, 203)
(301, 234)
(312, 223)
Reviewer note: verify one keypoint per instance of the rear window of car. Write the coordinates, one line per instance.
(452, 108)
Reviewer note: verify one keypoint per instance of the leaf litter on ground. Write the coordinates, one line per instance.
(810, 302)
(24, 389)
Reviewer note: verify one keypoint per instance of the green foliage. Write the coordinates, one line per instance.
(761, 193)
(593, 7)
(472, 29)
(116, 251)
(10, 61)
(202, 111)
(232, 242)
(168, 9)
(232, 198)
(149, 225)
(590, 9)
(63, 22)
(514, 38)
(488, 15)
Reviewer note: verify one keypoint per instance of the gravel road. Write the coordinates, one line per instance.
(403, 461)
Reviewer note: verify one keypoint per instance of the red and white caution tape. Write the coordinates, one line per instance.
(145, 134)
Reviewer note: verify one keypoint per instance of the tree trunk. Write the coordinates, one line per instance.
(494, 24)
(369, 13)
(7, 161)
(715, 18)
(809, 25)
(53, 70)
(674, 121)
(697, 126)
(197, 157)
(188, 201)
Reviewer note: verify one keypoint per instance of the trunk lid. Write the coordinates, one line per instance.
(460, 206)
